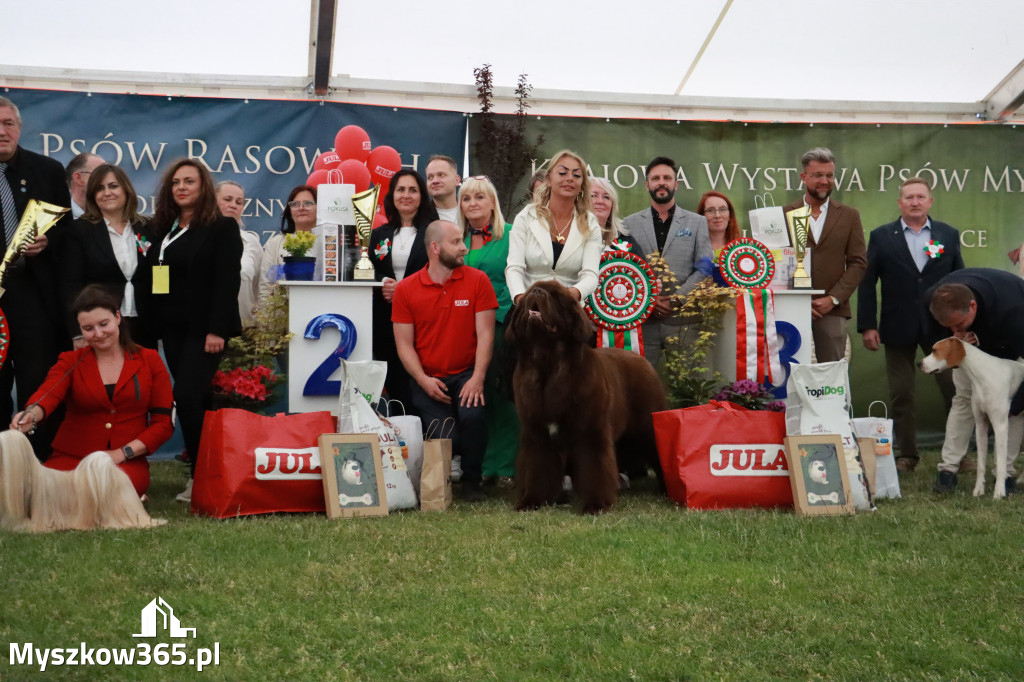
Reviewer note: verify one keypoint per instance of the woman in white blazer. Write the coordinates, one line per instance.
(556, 237)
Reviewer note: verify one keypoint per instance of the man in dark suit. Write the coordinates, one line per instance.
(31, 302)
(985, 307)
(909, 256)
(836, 239)
(680, 237)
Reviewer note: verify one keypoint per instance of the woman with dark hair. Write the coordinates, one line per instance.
(397, 250)
(721, 216)
(117, 395)
(107, 246)
(299, 216)
(195, 261)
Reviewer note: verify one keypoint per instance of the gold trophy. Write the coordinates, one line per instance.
(799, 221)
(365, 205)
(38, 217)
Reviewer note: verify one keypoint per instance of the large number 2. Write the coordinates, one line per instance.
(318, 382)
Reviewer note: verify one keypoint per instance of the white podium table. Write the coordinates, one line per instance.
(332, 311)
(792, 306)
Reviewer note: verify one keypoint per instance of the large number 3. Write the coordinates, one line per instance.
(319, 382)
(789, 335)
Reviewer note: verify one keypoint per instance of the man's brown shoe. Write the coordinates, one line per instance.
(905, 465)
(968, 464)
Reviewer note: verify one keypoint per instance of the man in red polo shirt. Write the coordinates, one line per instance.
(444, 329)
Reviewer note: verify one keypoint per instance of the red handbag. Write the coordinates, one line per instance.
(722, 455)
(252, 464)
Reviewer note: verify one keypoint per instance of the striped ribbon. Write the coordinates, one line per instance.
(632, 339)
(757, 343)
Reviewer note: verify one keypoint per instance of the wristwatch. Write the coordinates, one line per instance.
(835, 301)
(128, 452)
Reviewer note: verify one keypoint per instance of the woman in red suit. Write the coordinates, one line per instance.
(117, 394)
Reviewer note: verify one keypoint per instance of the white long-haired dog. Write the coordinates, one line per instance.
(35, 499)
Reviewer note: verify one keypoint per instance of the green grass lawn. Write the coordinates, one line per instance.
(925, 588)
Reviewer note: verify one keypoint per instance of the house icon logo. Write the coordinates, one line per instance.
(157, 615)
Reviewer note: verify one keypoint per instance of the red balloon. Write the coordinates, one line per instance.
(352, 142)
(355, 173)
(317, 178)
(324, 177)
(379, 219)
(383, 163)
(327, 161)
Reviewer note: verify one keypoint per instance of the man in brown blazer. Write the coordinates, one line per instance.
(838, 257)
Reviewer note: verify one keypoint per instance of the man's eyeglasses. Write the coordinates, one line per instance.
(823, 176)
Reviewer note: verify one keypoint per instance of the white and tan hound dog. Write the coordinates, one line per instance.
(993, 383)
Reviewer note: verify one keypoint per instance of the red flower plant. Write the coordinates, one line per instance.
(247, 383)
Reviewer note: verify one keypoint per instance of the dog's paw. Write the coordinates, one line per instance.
(979, 490)
(1000, 490)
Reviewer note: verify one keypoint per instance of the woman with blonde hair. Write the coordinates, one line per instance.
(557, 237)
(486, 235)
(604, 202)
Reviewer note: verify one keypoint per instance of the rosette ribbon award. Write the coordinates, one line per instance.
(38, 217)
(365, 205)
(799, 222)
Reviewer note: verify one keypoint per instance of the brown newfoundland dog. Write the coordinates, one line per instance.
(576, 404)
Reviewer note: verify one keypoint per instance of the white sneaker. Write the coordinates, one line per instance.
(456, 475)
(186, 494)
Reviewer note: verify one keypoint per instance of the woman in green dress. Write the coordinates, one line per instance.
(486, 237)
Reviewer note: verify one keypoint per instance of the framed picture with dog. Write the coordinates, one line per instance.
(353, 475)
(817, 474)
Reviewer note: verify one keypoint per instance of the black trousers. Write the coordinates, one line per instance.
(192, 369)
(469, 439)
(34, 344)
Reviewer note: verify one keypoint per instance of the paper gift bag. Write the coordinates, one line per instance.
(880, 430)
(723, 455)
(768, 223)
(252, 464)
(435, 486)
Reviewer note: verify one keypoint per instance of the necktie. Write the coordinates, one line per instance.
(10, 211)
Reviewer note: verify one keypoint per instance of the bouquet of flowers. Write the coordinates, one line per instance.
(750, 395)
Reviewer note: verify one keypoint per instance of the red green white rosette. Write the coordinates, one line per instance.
(626, 292)
(746, 264)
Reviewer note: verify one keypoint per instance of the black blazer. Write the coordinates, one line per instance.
(999, 320)
(383, 332)
(905, 319)
(204, 279)
(32, 284)
(88, 258)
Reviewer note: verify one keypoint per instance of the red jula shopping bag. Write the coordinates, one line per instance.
(252, 464)
(722, 455)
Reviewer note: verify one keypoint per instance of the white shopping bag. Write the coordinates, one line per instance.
(880, 430)
(409, 430)
(768, 223)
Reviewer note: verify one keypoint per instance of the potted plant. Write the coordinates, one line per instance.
(299, 266)
(248, 374)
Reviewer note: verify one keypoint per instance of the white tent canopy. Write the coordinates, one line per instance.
(775, 59)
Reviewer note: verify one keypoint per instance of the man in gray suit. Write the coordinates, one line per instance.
(682, 240)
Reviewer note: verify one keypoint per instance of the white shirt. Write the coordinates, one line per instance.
(125, 250)
(817, 225)
(449, 214)
(248, 290)
(76, 210)
(917, 242)
(400, 250)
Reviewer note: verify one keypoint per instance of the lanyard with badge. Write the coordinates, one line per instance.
(161, 272)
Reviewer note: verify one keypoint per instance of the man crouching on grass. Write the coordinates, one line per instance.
(444, 327)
